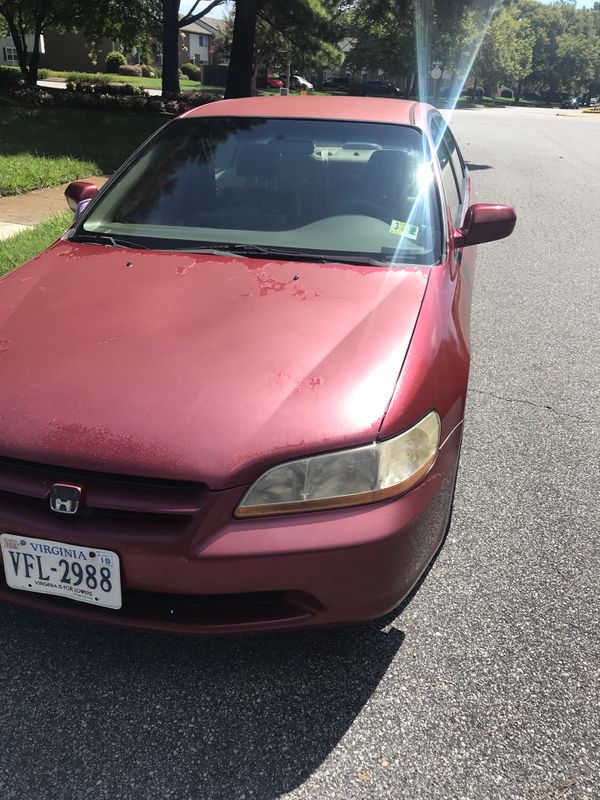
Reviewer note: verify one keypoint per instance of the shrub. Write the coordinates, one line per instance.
(192, 72)
(133, 70)
(155, 104)
(148, 72)
(114, 60)
(507, 94)
(30, 95)
(9, 77)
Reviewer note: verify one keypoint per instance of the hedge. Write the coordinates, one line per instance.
(113, 96)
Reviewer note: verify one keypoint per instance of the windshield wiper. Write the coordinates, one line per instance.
(287, 254)
(257, 251)
(107, 240)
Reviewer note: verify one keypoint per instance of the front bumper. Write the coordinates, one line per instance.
(240, 576)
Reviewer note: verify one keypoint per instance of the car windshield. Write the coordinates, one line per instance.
(319, 188)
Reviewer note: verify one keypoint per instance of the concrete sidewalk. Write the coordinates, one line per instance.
(19, 212)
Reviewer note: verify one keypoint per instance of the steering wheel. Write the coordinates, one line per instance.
(366, 208)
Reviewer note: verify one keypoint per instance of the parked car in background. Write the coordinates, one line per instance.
(336, 84)
(380, 88)
(233, 392)
(571, 102)
(275, 83)
(298, 82)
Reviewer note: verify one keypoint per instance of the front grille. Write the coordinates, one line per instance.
(112, 501)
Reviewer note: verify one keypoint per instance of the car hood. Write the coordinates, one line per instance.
(207, 368)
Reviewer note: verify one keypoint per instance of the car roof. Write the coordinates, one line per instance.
(357, 109)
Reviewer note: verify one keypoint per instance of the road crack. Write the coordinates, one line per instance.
(526, 402)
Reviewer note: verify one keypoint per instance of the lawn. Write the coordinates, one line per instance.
(45, 146)
(25, 245)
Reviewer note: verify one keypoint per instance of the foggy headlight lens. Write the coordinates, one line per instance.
(348, 478)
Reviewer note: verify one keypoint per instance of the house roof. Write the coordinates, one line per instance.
(219, 25)
(200, 27)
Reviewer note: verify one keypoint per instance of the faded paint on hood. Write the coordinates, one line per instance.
(196, 367)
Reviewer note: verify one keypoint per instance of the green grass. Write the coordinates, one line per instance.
(25, 245)
(22, 173)
(146, 83)
(46, 146)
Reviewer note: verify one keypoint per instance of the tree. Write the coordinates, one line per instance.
(136, 22)
(578, 62)
(29, 18)
(309, 25)
(506, 52)
(382, 36)
(278, 42)
(172, 22)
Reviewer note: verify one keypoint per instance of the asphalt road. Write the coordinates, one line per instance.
(485, 685)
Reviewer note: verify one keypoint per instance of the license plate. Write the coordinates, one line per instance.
(67, 570)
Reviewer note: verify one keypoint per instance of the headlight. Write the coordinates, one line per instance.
(347, 478)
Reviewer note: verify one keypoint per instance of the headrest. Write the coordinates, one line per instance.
(384, 162)
(257, 160)
(293, 147)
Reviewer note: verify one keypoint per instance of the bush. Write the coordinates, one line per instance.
(192, 72)
(114, 60)
(9, 77)
(507, 94)
(105, 87)
(155, 104)
(133, 70)
(148, 72)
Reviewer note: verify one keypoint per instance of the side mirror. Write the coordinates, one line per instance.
(485, 223)
(77, 191)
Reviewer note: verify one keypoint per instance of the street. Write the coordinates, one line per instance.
(485, 683)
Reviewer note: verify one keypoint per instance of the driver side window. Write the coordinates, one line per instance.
(451, 167)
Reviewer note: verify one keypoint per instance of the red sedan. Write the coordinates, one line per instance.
(275, 83)
(232, 394)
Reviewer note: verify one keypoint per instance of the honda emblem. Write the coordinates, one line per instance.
(65, 499)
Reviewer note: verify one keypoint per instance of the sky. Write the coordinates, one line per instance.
(218, 12)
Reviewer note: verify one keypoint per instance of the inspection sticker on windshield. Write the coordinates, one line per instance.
(404, 229)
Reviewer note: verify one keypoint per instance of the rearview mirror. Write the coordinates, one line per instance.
(77, 191)
(485, 223)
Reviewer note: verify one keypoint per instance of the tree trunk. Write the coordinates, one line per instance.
(241, 59)
(170, 48)
(436, 84)
(32, 72)
(474, 90)
(518, 92)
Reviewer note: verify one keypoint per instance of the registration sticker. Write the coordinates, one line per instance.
(404, 229)
(85, 574)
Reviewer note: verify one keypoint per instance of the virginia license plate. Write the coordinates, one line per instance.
(67, 570)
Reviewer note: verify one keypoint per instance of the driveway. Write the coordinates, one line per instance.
(484, 685)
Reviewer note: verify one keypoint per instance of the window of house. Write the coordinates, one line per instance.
(10, 55)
